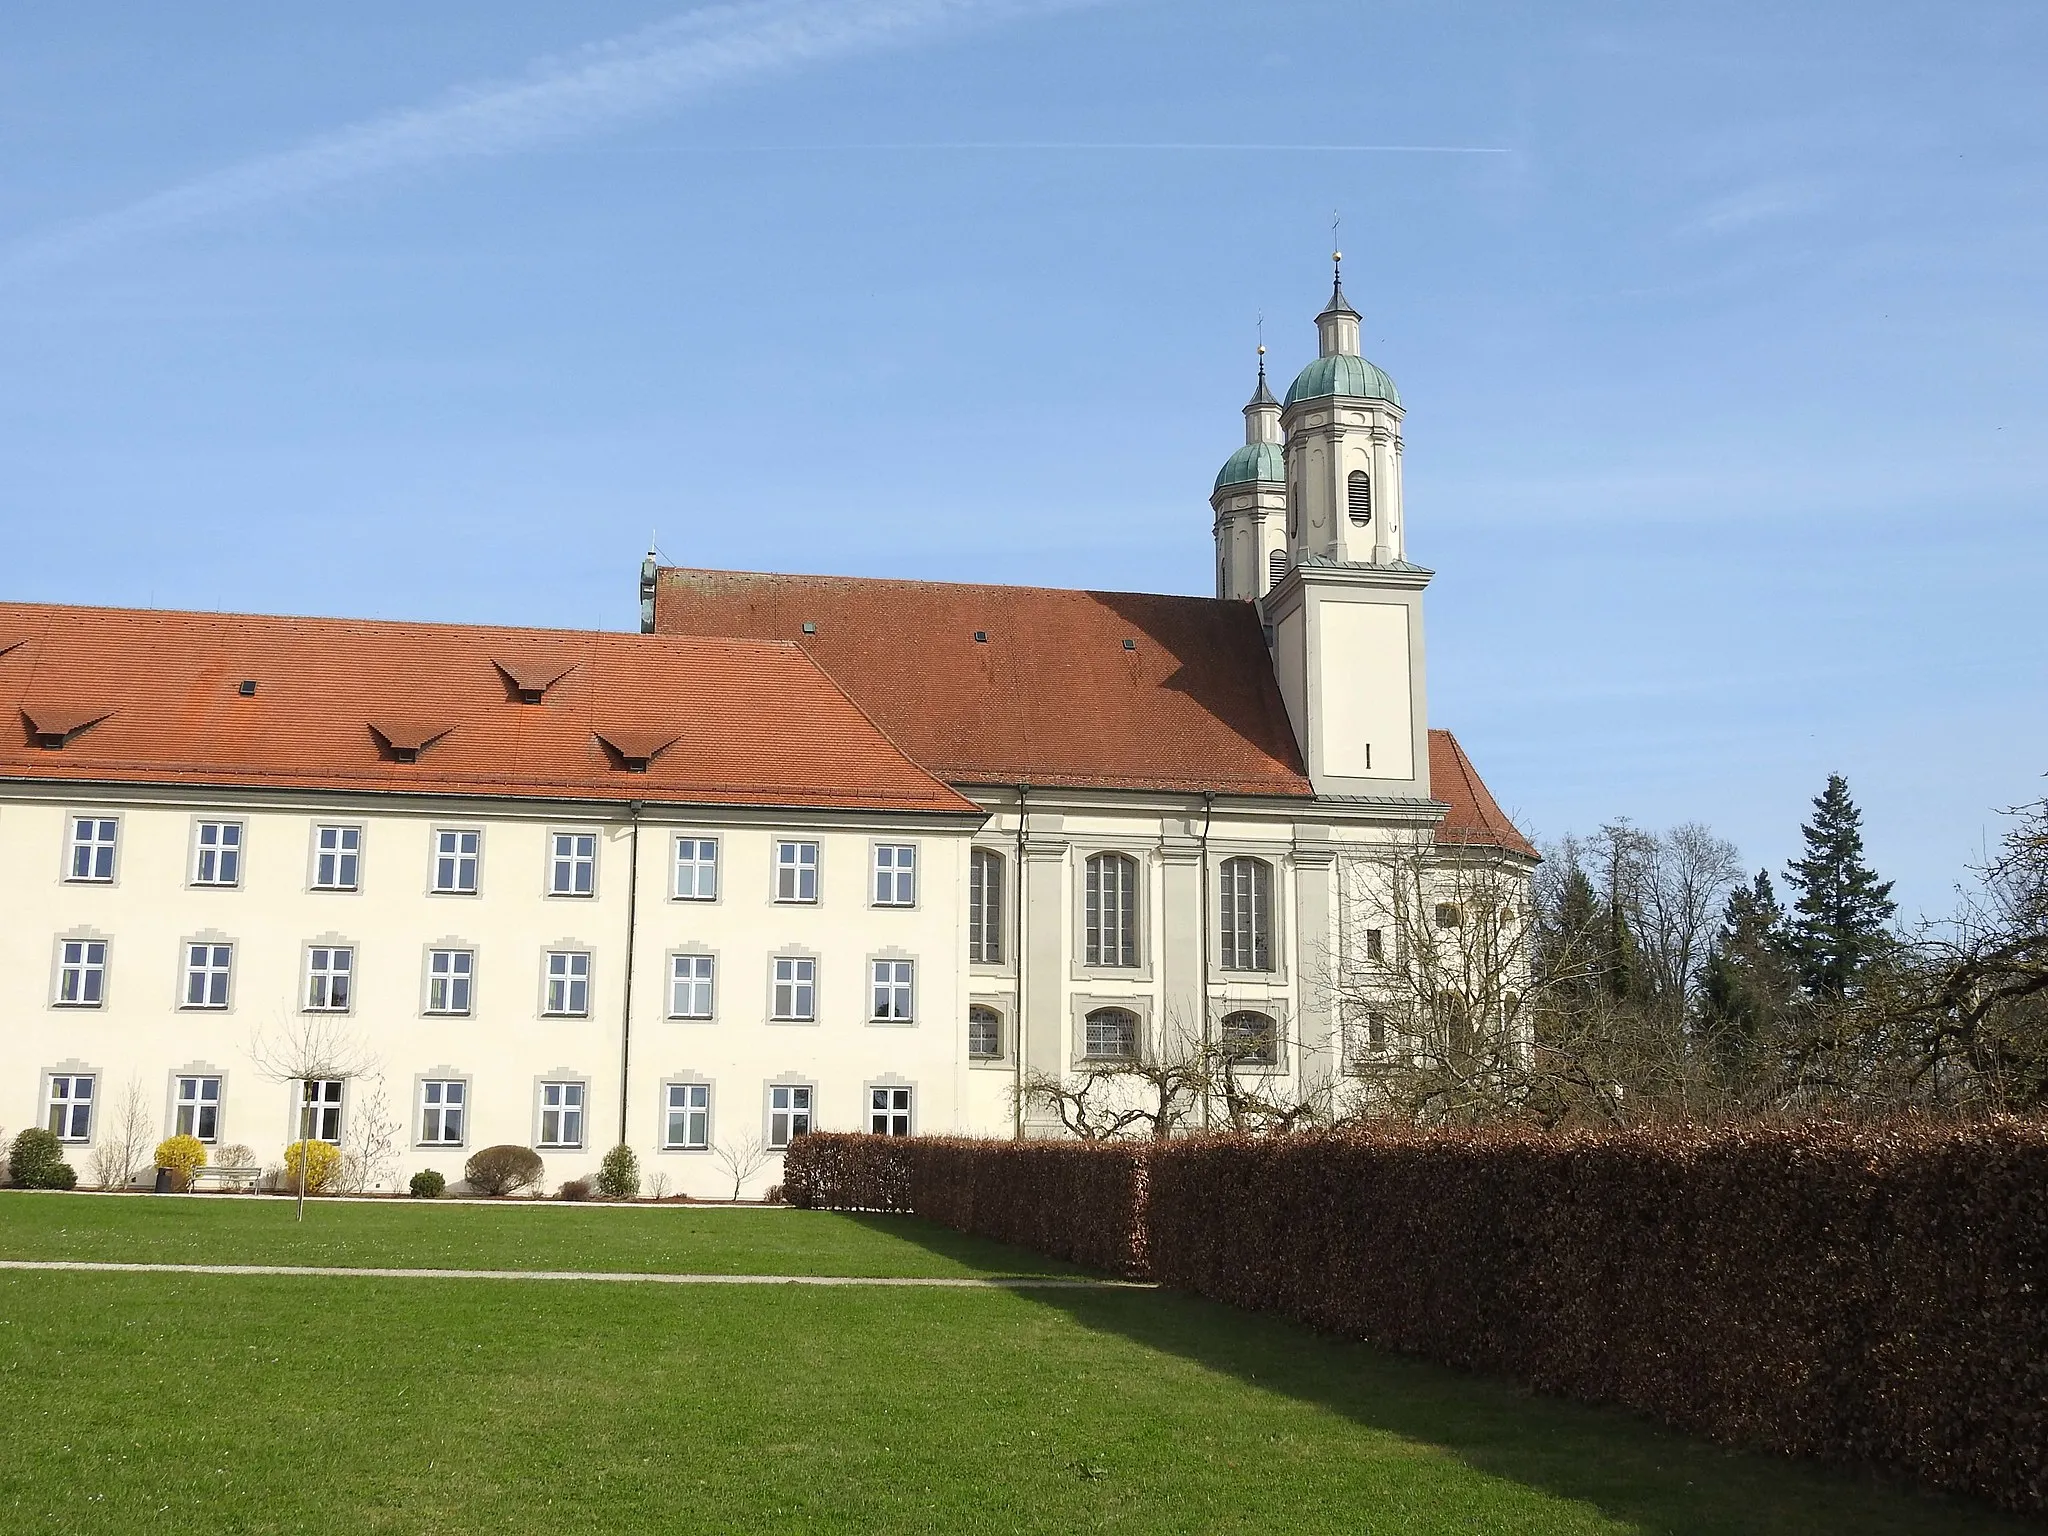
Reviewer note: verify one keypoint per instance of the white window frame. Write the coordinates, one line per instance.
(70, 1113)
(346, 856)
(1127, 916)
(797, 874)
(994, 1013)
(569, 861)
(987, 874)
(892, 991)
(1270, 1058)
(703, 871)
(192, 1104)
(569, 975)
(797, 977)
(210, 963)
(798, 1102)
(891, 1109)
(93, 842)
(1244, 906)
(437, 1099)
(90, 974)
(317, 995)
(217, 854)
(892, 875)
(699, 987)
(448, 857)
(690, 1103)
(455, 982)
(565, 1100)
(323, 1102)
(1135, 1029)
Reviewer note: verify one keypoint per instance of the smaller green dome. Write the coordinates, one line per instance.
(1254, 461)
(1351, 377)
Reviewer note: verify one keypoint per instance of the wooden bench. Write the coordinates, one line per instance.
(228, 1178)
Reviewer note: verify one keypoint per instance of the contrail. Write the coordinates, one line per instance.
(1060, 144)
(596, 87)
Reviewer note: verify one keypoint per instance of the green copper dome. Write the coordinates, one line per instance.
(1254, 461)
(1351, 377)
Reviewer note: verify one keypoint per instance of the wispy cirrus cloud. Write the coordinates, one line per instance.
(600, 86)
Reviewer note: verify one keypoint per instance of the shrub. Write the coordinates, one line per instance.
(184, 1156)
(503, 1170)
(619, 1176)
(574, 1189)
(657, 1185)
(322, 1162)
(234, 1155)
(36, 1161)
(427, 1185)
(774, 1196)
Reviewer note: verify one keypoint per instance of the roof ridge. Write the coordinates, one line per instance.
(950, 586)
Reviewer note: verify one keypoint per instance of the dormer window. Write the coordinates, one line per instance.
(1360, 488)
(404, 740)
(531, 676)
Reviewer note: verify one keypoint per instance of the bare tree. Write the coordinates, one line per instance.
(742, 1157)
(125, 1144)
(1149, 1092)
(369, 1156)
(304, 1049)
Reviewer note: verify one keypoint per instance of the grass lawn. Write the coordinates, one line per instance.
(247, 1404)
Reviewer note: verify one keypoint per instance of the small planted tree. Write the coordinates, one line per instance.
(124, 1141)
(618, 1177)
(304, 1049)
(741, 1157)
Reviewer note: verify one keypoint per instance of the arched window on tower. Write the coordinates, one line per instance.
(1276, 568)
(1361, 497)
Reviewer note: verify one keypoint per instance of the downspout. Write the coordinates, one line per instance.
(1202, 991)
(633, 808)
(1017, 960)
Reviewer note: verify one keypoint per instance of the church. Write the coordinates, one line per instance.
(805, 852)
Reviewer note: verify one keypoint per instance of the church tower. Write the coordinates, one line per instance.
(1346, 614)
(1250, 503)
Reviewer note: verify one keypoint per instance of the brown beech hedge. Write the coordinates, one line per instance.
(1862, 1294)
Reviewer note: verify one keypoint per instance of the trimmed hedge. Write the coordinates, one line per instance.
(1071, 1200)
(1872, 1295)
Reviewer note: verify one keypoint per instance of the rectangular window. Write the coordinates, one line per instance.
(984, 1034)
(207, 967)
(81, 973)
(457, 851)
(449, 974)
(337, 858)
(561, 1114)
(789, 1114)
(796, 988)
(572, 870)
(320, 1110)
(329, 974)
(686, 1125)
(198, 1108)
(68, 1113)
(1449, 915)
(895, 875)
(889, 1111)
(689, 995)
(568, 978)
(92, 850)
(891, 992)
(796, 871)
(1246, 908)
(217, 853)
(442, 1103)
(985, 908)
(696, 869)
(1375, 944)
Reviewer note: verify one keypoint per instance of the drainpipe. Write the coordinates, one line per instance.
(1202, 992)
(633, 809)
(1017, 961)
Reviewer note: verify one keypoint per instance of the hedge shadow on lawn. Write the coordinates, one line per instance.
(1662, 1482)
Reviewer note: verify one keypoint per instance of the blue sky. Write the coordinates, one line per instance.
(1724, 363)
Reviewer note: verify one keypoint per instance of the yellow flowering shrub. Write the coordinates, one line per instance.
(184, 1156)
(322, 1160)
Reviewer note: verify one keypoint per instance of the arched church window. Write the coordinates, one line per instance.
(1110, 1034)
(1251, 1038)
(1112, 910)
(1276, 567)
(984, 1034)
(1361, 497)
(1247, 909)
(985, 907)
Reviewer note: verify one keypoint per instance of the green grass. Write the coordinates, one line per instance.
(269, 1404)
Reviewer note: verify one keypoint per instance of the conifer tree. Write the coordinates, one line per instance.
(1838, 924)
(1747, 978)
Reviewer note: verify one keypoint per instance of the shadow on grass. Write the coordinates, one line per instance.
(1658, 1480)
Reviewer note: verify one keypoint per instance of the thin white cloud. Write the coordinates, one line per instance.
(600, 86)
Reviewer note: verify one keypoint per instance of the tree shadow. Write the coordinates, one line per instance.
(1659, 1481)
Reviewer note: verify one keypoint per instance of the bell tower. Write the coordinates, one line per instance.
(1250, 502)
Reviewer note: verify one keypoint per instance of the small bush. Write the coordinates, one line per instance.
(574, 1189)
(619, 1176)
(657, 1186)
(503, 1170)
(427, 1185)
(322, 1161)
(235, 1156)
(36, 1161)
(774, 1196)
(184, 1156)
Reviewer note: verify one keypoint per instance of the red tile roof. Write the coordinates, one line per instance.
(1052, 695)
(154, 698)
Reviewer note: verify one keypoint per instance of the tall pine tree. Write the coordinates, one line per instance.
(1838, 922)
(1747, 979)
